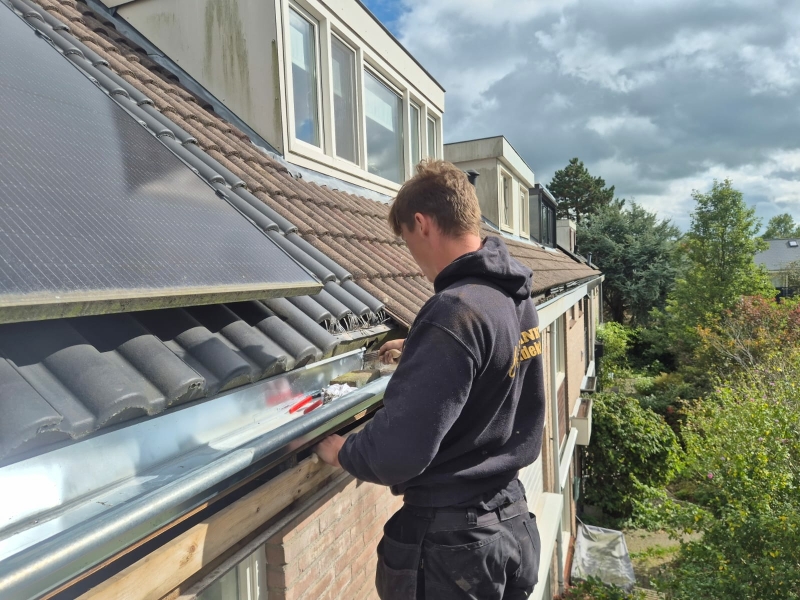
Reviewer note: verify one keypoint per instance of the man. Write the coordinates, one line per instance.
(462, 413)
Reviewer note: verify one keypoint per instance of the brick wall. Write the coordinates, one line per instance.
(328, 551)
(576, 364)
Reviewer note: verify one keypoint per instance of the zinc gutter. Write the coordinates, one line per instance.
(176, 486)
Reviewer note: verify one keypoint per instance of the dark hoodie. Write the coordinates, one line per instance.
(465, 408)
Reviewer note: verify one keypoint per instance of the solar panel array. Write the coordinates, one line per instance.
(96, 212)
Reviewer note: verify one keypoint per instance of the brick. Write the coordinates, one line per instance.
(347, 559)
(315, 591)
(334, 513)
(347, 522)
(327, 554)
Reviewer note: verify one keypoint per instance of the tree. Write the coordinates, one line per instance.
(720, 248)
(578, 193)
(781, 227)
(637, 253)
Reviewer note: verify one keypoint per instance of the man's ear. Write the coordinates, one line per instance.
(425, 223)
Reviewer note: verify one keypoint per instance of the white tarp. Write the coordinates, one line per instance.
(603, 553)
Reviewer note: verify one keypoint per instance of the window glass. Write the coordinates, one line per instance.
(344, 110)
(506, 216)
(431, 138)
(224, 588)
(524, 211)
(304, 78)
(384, 110)
(561, 344)
(536, 217)
(414, 127)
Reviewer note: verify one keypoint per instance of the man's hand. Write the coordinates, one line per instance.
(390, 351)
(328, 449)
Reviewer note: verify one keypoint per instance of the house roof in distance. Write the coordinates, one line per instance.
(779, 254)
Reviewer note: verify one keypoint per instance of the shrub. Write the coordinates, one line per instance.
(633, 452)
(743, 467)
(594, 589)
(616, 339)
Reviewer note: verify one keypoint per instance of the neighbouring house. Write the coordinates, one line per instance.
(524, 212)
(782, 262)
(159, 394)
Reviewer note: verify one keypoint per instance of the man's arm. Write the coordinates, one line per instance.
(422, 401)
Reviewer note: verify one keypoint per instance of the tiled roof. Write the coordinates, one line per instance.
(779, 254)
(66, 378)
(351, 230)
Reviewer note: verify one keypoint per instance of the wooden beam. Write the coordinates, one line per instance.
(165, 568)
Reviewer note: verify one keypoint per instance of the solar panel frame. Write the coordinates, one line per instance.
(98, 216)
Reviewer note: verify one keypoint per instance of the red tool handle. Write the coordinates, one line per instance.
(298, 405)
(316, 404)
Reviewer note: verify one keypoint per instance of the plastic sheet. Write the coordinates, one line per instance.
(603, 553)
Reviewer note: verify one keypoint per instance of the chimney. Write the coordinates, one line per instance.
(566, 232)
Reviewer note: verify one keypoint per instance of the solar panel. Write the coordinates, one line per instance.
(96, 215)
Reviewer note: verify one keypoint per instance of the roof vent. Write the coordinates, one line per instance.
(792, 244)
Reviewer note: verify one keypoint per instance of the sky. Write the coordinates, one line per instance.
(658, 97)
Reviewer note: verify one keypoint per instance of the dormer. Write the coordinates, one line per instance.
(324, 83)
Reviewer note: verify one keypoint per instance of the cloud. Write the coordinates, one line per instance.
(657, 96)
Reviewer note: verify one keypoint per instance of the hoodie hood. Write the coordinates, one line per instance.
(493, 264)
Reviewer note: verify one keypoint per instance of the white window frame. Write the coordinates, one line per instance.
(429, 118)
(318, 25)
(506, 176)
(413, 104)
(524, 212)
(357, 101)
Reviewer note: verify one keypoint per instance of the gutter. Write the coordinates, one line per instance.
(167, 490)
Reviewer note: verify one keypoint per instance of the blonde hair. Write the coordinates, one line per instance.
(442, 191)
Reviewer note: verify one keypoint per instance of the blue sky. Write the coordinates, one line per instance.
(387, 11)
(658, 97)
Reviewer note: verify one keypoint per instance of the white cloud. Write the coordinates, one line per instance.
(658, 97)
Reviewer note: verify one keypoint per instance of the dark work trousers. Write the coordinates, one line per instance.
(459, 554)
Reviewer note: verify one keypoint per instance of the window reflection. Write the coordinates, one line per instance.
(344, 110)
(384, 111)
(304, 78)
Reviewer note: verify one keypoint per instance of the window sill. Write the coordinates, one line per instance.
(507, 228)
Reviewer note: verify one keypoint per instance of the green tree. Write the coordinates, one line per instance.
(742, 466)
(633, 452)
(637, 253)
(720, 248)
(781, 227)
(578, 193)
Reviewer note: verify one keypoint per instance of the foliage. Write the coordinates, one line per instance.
(792, 273)
(743, 459)
(578, 193)
(633, 452)
(781, 227)
(636, 252)
(594, 589)
(750, 333)
(616, 339)
(720, 248)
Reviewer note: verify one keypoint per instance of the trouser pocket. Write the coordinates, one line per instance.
(455, 568)
(397, 571)
(527, 534)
